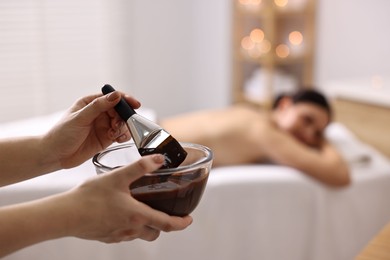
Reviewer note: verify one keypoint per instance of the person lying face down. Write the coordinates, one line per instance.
(290, 134)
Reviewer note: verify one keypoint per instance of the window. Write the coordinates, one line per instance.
(52, 52)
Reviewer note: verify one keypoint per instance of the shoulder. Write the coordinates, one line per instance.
(247, 111)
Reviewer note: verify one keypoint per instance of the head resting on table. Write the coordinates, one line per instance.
(304, 114)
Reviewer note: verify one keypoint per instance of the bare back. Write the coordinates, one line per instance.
(232, 133)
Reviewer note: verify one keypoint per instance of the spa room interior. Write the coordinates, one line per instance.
(182, 56)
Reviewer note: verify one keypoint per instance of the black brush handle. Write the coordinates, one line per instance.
(124, 110)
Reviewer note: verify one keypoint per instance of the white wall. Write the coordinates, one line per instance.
(180, 55)
(353, 39)
(175, 55)
(182, 50)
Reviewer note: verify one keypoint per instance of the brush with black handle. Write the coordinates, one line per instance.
(149, 137)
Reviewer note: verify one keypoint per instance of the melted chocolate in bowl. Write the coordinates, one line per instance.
(175, 195)
(175, 191)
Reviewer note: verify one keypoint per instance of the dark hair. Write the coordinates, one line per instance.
(306, 96)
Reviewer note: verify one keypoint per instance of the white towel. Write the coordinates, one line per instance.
(351, 148)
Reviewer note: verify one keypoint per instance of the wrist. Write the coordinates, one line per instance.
(58, 215)
(48, 154)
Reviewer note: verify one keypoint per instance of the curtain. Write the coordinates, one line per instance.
(54, 51)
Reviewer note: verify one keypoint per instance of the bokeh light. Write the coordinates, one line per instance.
(281, 3)
(282, 51)
(257, 35)
(250, 2)
(264, 46)
(295, 38)
(247, 43)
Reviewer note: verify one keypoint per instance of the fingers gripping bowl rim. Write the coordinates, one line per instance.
(176, 191)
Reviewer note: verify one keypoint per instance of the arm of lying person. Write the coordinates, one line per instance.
(324, 164)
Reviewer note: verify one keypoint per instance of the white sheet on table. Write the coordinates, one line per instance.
(249, 212)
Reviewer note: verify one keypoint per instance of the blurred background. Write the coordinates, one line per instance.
(177, 56)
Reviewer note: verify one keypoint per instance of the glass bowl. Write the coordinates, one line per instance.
(175, 191)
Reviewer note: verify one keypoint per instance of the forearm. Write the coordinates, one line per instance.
(29, 223)
(325, 164)
(24, 158)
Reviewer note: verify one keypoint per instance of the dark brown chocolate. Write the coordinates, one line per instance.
(175, 195)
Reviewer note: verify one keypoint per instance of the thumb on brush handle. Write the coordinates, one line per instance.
(124, 110)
